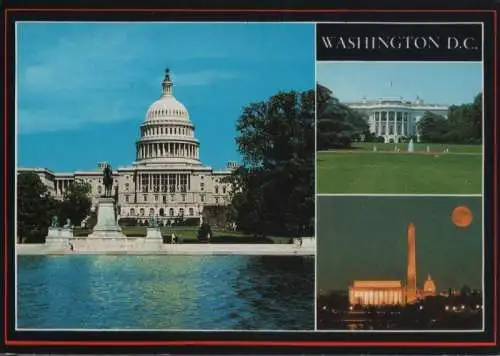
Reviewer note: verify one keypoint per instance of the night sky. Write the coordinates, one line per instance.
(364, 238)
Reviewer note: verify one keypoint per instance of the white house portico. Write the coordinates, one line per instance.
(167, 177)
(396, 119)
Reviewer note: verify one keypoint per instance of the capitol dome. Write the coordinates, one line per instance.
(167, 107)
(167, 134)
(429, 286)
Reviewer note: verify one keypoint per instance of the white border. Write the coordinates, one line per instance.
(315, 183)
(422, 195)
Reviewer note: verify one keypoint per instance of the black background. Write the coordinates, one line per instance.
(424, 339)
(442, 31)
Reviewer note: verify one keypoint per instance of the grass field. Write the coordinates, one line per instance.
(419, 147)
(189, 234)
(361, 171)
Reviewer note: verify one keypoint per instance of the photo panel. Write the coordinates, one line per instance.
(409, 126)
(153, 185)
(400, 263)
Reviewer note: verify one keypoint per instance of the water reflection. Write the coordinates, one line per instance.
(166, 292)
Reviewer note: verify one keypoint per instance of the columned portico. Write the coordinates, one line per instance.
(395, 119)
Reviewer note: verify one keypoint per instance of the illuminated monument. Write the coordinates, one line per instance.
(393, 292)
(411, 273)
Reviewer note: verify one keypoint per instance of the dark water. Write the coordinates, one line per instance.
(165, 292)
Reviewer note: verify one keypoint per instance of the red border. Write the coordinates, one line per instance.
(243, 342)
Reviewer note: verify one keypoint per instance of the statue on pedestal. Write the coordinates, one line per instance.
(55, 222)
(107, 179)
(68, 224)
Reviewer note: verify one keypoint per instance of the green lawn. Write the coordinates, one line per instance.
(189, 234)
(419, 147)
(366, 172)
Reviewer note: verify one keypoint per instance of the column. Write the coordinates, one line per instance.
(386, 122)
(377, 115)
(395, 122)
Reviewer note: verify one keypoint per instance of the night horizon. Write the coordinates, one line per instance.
(452, 261)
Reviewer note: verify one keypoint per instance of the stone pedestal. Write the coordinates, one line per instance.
(153, 240)
(153, 233)
(107, 226)
(58, 237)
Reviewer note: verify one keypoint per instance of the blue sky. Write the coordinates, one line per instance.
(436, 83)
(83, 88)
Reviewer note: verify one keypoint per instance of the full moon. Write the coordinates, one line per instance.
(461, 216)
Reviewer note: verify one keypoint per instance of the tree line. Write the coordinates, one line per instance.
(463, 125)
(36, 207)
(338, 126)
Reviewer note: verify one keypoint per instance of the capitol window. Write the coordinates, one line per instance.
(202, 198)
(156, 197)
(164, 199)
(171, 212)
(172, 197)
(142, 211)
(224, 190)
(183, 197)
(126, 198)
(216, 190)
(126, 186)
(145, 197)
(191, 212)
(99, 189)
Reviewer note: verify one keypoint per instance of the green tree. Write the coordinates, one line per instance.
(433, 127)
(273, 191)
(462, 126)
(337, 125)
(76, 204)
(35, 208)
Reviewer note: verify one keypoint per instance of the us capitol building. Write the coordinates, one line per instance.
(396, 119)
(167, 177)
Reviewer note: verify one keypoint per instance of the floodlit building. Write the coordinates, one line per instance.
(167, 177)
(390, 292)
(396, 119)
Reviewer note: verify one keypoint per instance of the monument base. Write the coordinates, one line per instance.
(107, 226)
(58, 237)
(154, 233)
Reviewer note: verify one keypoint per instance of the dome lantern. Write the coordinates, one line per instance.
(167, 83)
